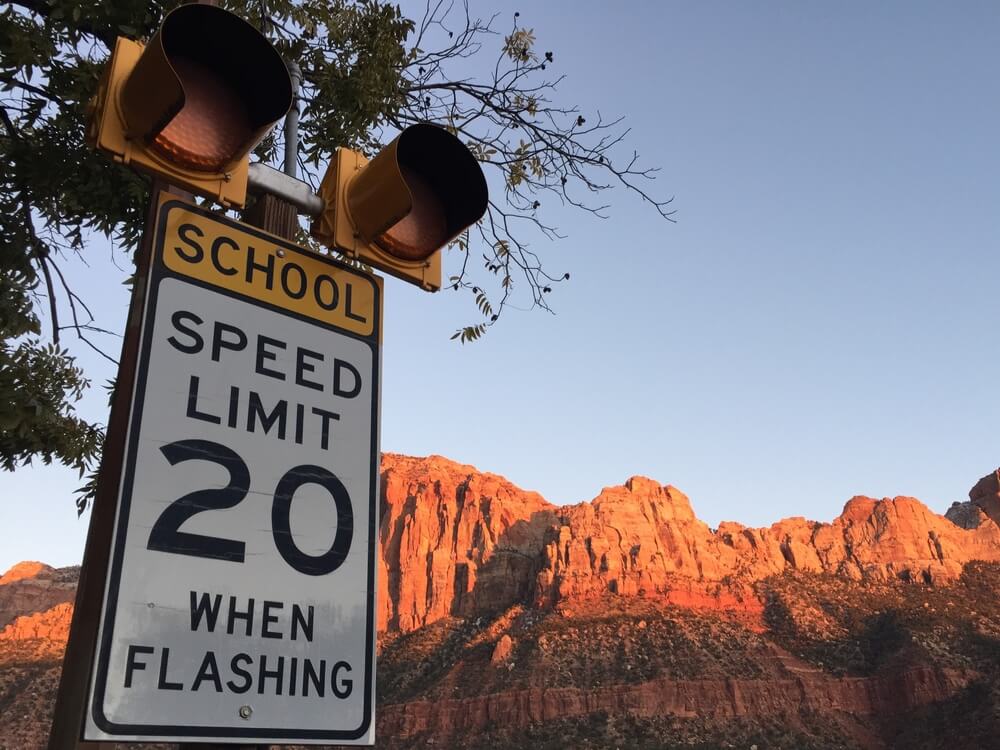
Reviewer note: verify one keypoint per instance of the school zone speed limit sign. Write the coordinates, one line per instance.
(240, 597)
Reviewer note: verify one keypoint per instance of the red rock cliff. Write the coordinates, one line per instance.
(51, 625)
(455, 541)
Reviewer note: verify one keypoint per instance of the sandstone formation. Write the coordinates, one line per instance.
(26, 569)
(968, 515)
(453, 541)
(721, 699)
(502, 651)
(51, 625)
(34, 587)
(986, 494)
(456, 542)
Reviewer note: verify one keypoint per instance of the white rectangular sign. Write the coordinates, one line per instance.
(240, 600)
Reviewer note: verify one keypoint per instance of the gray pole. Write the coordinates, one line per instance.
(292, 121)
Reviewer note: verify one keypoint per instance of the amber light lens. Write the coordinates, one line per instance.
(422, 231)
(212, 126)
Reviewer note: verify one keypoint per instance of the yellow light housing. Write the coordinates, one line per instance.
(193, 103)
(397, 211)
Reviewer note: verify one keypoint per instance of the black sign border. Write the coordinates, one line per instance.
(157, 273)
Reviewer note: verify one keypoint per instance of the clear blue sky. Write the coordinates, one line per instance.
(820, 322)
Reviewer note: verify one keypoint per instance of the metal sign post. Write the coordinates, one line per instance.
(70, 698)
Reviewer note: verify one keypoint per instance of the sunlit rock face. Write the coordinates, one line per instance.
(456, 541)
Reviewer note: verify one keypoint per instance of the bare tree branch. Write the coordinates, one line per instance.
(37, 248)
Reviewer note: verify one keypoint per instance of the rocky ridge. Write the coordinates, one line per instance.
(457, 542)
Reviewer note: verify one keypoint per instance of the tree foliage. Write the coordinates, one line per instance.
(368, 72)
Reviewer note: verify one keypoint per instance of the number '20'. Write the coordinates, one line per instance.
(167, 537)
